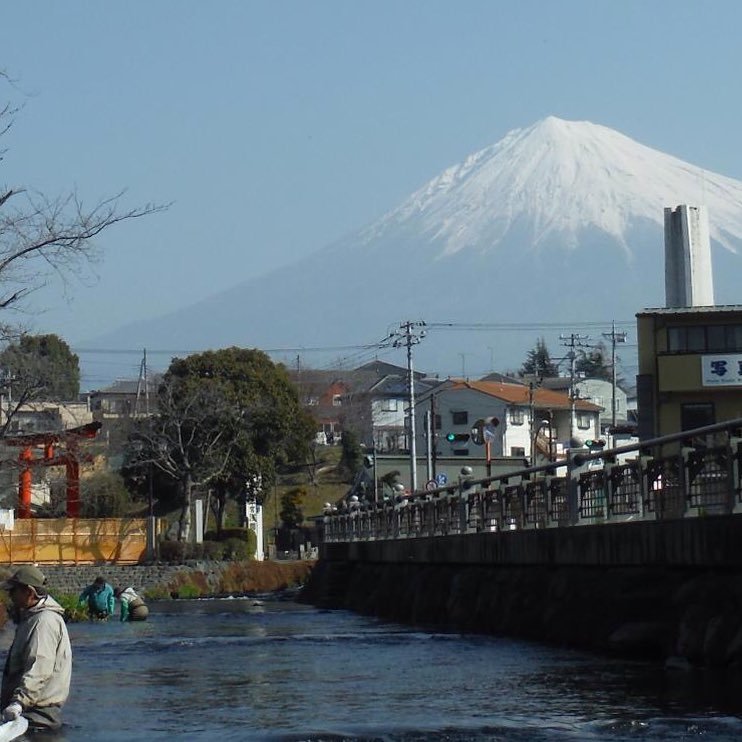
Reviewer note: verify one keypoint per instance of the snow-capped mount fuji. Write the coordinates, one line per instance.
(556, 223)
(560, 178)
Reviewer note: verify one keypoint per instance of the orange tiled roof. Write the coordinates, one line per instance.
(519, 394)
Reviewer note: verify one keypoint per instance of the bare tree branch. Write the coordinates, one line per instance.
(42, 236)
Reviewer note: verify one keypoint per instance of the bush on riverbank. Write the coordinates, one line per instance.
(263, 577)
(234, 544)
(236, 578)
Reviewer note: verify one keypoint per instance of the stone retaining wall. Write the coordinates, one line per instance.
(73, 579)
(693, 616)
(656, 589)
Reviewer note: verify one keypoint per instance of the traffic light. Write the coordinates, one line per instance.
(457, 437)
(595, 444)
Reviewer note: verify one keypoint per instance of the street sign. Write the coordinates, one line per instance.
(441, 479)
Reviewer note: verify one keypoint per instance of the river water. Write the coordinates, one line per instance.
(236, 670)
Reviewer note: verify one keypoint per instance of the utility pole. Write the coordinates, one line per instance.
(142, 385)
(428, 445)
(408, 336)
(615, 337)
(434, 437)
(531, 409)
(572, 341)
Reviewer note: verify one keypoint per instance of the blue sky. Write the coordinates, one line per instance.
(276, 127)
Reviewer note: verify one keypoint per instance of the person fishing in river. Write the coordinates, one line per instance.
(99, 599)
(133, 607)
(38, 669)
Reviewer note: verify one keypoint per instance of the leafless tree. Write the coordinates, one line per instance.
(44, 237)
(191, 439)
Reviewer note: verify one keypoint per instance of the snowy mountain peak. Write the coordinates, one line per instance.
(556, 179)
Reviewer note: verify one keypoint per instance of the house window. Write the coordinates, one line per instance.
(337, 400)
(733, 338)
(716, 338)
(518, 452)
(696, 339)
(517, 416)
(704, 338)
(390, 405)
(583, 421)
(460, 418)
(313, 401)
(675, 339)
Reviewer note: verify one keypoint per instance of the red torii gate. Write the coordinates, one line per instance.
(70, 458)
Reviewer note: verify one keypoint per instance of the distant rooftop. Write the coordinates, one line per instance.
(716, 309)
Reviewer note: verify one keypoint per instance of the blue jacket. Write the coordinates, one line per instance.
(99, 599)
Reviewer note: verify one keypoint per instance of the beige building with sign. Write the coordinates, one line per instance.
(690, 368)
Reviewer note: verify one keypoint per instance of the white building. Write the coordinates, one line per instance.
(598, 391)
(537, 424)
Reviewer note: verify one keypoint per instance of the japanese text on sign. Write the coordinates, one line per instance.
(723, 370)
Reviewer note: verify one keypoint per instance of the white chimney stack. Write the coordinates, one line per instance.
(688, 278)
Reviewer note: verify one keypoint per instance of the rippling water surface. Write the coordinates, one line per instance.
(234, 670)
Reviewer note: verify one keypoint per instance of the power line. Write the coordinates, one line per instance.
(155, 351)
(519, 326)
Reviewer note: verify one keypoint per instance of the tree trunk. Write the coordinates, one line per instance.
(184, 523)
(221, 504)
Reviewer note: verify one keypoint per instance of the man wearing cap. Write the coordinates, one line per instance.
(36, 678)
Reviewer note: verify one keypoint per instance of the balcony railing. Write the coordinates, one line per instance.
(689, 474)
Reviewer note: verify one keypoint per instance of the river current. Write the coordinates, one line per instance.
(241, 669)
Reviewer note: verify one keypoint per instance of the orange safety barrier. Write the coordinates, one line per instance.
(76, 541)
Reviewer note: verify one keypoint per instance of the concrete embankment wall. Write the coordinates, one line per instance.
(648, 589)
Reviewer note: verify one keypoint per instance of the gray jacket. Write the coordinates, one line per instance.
(39, 665)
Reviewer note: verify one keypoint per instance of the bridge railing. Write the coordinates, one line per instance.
(693, 473)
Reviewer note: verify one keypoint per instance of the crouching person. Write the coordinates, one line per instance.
(36, 678)
(99, 599)
(132, 606)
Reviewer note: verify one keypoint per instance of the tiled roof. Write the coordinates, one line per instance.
(520, 395)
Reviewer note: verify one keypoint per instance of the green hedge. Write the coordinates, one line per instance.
(236, 544)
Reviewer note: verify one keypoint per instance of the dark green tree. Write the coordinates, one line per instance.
(594, 363)
(224, 418)
(538, 362)
(351, 455)
(292, 515)
(41, 366)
